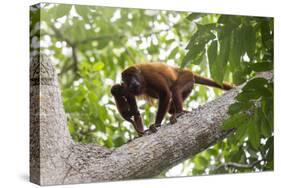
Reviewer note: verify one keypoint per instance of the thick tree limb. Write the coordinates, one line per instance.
(56, 159)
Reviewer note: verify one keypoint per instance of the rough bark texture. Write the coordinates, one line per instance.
(56, 159)
(49, 137)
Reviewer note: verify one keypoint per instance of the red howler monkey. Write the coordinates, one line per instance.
(157, 80)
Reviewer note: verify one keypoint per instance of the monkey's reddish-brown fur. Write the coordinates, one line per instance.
(170, 85)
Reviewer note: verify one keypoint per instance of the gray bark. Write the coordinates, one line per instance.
(56, 159)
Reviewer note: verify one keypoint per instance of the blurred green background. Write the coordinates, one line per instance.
(91, 45)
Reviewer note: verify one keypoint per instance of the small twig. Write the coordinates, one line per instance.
(102, 37)
(66, 67)
(75, 59)
(238, 165)
(58, 34)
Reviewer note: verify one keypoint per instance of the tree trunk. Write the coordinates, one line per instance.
(56, 159)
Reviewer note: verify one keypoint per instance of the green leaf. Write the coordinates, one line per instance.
(62, 10)
(202, 36)
(235, 120)
(196, 51)
(239, 107)
(241, 132)
(196, 45)
(260, 67)
(207, 28)
(218, 68)
(34, 16)
(197, 171)
(229, 21)
(245, 96)
(224, 19)
(82, 10)
(258, 86)
(212, 52)
(238, 77)
(267, 111)
(269, 142)
(270, 147)
(236, 157)
(262, 123)
(267, 105)
(199, 58)
(254, 84)
(118, 141)
(201, 162)
(213, 152)
(237, 49)
(265, 128)
(98, 66)
(250, 43)
(243, 38)
(173, 53)
(212, 57)
(71, 127)
(252, 153)
(265, 33)
(254, 134)
(195, 16)
(153, 49)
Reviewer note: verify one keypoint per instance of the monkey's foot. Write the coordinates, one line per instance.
(156, 125)
(140, 134)
(173, 118)
(148, 132)
(152, 129)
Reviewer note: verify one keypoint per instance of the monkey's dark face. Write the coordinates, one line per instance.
(133, 84)
(133, 80)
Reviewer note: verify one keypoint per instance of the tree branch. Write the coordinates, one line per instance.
(56, 159)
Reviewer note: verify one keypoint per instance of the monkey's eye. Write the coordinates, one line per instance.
(128, 79)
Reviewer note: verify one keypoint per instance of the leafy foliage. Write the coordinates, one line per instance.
(243, 47)
(91, 45)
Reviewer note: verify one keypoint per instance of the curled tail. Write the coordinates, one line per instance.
(205, 81)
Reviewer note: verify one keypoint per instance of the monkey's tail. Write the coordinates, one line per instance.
(205, 81)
